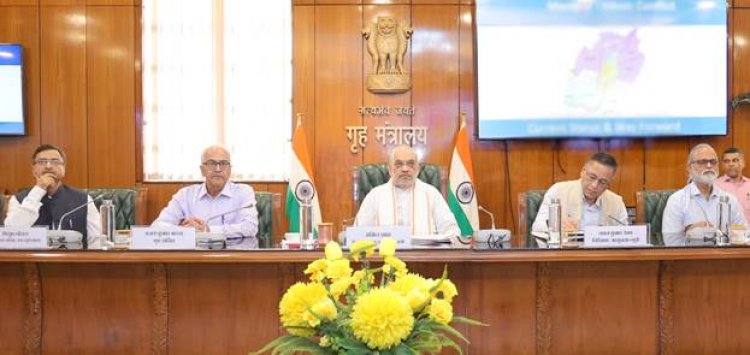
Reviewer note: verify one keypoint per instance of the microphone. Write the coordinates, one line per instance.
(66, 214)
(230, 211)
(492, 215)
(617, 220)
(491, 238)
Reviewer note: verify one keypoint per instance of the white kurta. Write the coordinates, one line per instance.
(422, 208)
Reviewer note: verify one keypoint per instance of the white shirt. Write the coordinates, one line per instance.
(26, 213)
(688, 206)
(591, 212)
(442, 219)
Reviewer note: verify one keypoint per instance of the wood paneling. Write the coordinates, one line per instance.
(18, 2)
(630, 167)
(80, 294)
(13, 307)
(741, 76)
(665, 163)
(435, 95)
(565, 301)
(703, 307)
(20, 25)
(63, 2)
(111, 102)
(63, 86)
(338, 94)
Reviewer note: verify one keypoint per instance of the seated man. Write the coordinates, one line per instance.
(733, 182)
(586, 201)
(49, 200)
(696, 205)
(216, 205)
(406, 201)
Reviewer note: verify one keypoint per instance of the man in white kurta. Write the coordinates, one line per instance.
(406, 201)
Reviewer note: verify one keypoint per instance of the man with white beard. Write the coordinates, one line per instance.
(697, 205)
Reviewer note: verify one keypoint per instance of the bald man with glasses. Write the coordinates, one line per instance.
(586, 201)
(696, 205)
(216, 205)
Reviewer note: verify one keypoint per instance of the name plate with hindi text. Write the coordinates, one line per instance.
(616, 236)
(376, 233)
(23, 238)
(162, 238)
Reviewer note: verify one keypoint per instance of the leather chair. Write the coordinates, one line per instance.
(130, 204)
(268, 205)
(528, 207)
(3, 208)
(649, 208)
(368, 176)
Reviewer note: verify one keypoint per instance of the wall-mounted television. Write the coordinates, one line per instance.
(12, 111)
(601, 68)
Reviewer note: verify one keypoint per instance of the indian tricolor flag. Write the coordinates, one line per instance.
(301, 186)
(462, 198)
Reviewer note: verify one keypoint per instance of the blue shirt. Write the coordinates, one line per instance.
(240, 227)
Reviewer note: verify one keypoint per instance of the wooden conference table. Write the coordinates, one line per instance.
(640, 301)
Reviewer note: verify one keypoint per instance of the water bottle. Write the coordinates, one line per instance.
(107, 212)
(306, 231)
(554, 223)
(725, 217)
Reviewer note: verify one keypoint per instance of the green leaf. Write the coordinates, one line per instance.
(465, 320)
(289, 344)
(450, 330)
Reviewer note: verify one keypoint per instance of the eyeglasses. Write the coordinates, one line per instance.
(727, 161)
(705, 162)
(45, 162)
(411, 164)
(599, 181)
(221, 164)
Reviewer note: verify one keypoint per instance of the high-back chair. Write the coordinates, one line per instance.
(649, 208)
(528, 207)
(130, 204)
(366, 177)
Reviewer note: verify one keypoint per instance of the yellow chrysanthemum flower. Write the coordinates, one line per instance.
(440, 311)
(325, 309)
(365, 246)
(338, 269)
(295, 303)
(324, 341)
(333, 251)
(398, 266)
(317, 269)
(340, 286)
(359, 275)
(414, 288)
(382, 319)
(387, 247)
(447, 289)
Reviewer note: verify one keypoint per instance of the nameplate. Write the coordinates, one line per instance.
(615, 236)
(376, 233)
(23, 238)
(162, 238)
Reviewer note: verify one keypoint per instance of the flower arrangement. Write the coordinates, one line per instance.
(384, 310)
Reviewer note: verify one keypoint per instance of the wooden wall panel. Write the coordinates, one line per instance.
(630, 171)
(303, 52)
(63, 86)
(21, 25)
(581, 294)
(72, 321)
(338, 94)
(18, 3)
(741, 77)
(228, 326)
(375, 151)
(13, 307)
(509, 313)
(570, 155)
(530, 167)
(435, 93)
(111, 102)
(703, 307)
(665, 163)
(63, 2)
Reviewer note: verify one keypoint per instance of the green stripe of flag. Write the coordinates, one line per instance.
(458, 212)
